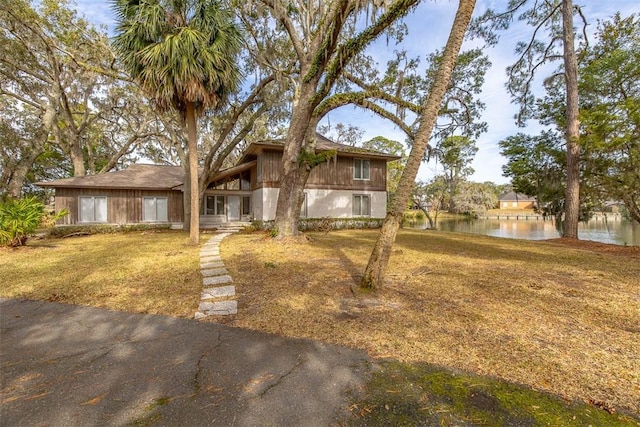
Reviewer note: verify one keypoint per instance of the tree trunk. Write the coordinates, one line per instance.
(194, 223)
(572, 192)
(375, 271)
(632, 207)
(289, 197)
(77, 156)
(16, 179)
(186, 199)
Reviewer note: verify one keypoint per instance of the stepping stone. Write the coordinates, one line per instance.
(222, 291)
(199, 315)
(215, 271)
(214, 263)
(209, 259)
(216, 280)
(209, 254)
(213, 251)
(219, 308)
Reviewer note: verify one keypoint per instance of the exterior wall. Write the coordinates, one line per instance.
(336, 174)
(214, 220)
(520, 204)
(263, 203)
(339, 203)
(320, 203)
(123, 206)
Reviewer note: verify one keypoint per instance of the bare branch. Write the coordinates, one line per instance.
(281, 15)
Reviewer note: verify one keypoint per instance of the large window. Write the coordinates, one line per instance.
(361, 169)
(361, 205)
(93, 209)
(154, 209)
(214, 205)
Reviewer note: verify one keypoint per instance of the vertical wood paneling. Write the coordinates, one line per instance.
(340, 174)
(123, 206)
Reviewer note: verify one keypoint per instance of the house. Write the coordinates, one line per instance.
(513, 200)
(352, 183)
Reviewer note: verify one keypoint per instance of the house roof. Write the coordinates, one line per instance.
(323, 144)
(516, 197)
(225, 173)
(140, 176)
(163, 177)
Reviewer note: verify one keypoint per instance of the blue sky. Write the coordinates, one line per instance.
(428, 29)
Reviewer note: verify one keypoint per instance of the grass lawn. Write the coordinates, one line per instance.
(141, 272)
(554, 316)
(558, 318)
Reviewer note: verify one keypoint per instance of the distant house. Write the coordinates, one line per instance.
(351, 184)
(513, 200)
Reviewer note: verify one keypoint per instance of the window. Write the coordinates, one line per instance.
(303, 208)
(154, 209)
(361, 205)
(245, 181)
(361, 169)
(246, 205)
(93, 209)
(214, 205)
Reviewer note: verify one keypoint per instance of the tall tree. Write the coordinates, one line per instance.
(553, 19)
(535, 165)
(572, 129)
(318, 32)
(455, 154)
(609, 89)
(49, 59)
(183, 54)
(375, 271)
(610, 111)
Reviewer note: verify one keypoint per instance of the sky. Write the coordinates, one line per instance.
(429, 27)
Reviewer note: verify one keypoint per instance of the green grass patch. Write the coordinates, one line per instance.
(420, 394)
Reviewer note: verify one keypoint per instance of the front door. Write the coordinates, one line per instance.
(233, 208)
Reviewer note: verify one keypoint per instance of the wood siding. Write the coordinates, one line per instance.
(336, 174)
(123, 206)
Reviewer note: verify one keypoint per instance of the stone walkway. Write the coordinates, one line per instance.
(216, 282)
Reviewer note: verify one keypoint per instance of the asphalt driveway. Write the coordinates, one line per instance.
(81, 366)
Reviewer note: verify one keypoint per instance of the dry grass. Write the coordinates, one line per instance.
(559, 318)
(148, 272)
(554, 315)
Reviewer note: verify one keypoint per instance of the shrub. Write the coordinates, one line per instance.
(21, 217)
(73, 230)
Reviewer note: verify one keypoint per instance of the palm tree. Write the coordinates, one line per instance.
(182, 53)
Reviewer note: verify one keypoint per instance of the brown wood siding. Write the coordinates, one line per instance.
(336, 174)
(269, 162)
(123, 206)
(254, 177)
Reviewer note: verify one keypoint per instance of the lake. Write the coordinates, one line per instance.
(606, 230)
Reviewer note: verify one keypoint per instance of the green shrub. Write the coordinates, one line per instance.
(71, 230)
(21, 217)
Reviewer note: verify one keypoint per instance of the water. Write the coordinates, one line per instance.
(617, 231)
